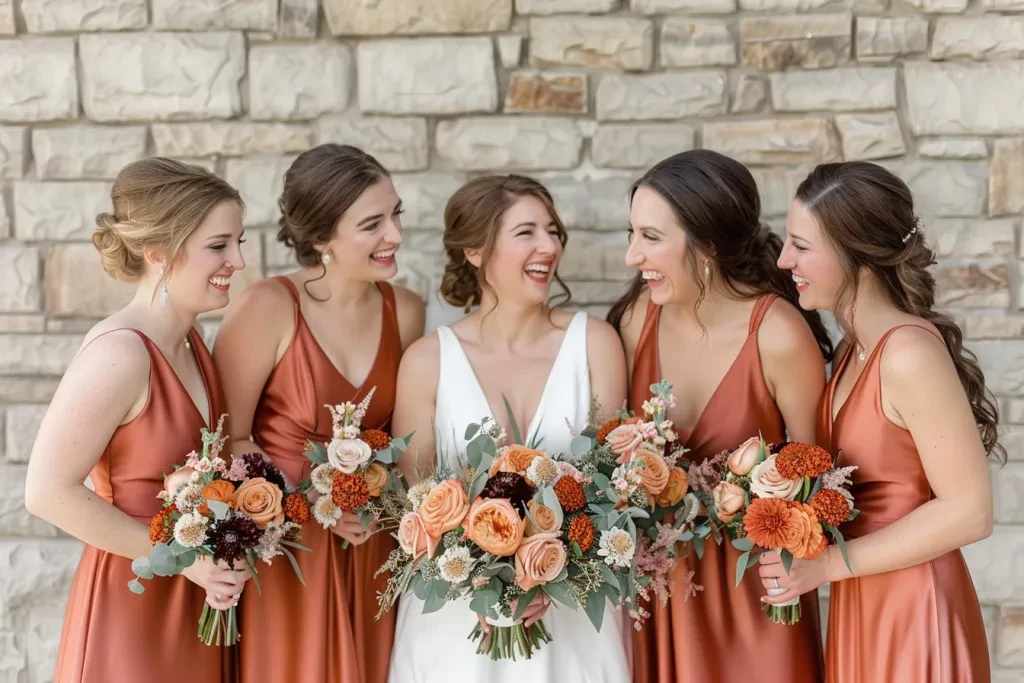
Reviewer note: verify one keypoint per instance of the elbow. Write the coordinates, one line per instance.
(35, 499)
(985, 524)
(980, 524)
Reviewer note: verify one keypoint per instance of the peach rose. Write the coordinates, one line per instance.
(521, 457)
(675, 489)
(260, 501)
(495, 526)
(219, 490)
(502, 463)
(654, 473)
(540, 559)
(444, 507)
(729, 500)
(766, 482)
(805, 543)
(376, 477)
(624, 439)
(743, 459)
(348, 455)
(546, 519)
(569, 470)
(176, 480)
(413, 537)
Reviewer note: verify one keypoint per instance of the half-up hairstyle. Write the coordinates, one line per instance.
(867, 215)
(472, 218)
(715, 200)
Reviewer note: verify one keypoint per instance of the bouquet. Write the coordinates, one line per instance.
(512, 522)
(236, 514)
(635, 462)
(356, 471)
(792, 501)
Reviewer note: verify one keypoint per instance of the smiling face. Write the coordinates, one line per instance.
(201, 275)
(526, 253)
(368, 234)
(658, 246)
(811, 259)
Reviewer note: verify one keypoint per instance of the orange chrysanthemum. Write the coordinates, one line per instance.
(799, 460)
(377, 440)
(830, 506)
(769, 524)
(520, 457)
(296, 508)
(606, 429)
(350, 491)
(570, 494)
(161, 527)
(581, 530)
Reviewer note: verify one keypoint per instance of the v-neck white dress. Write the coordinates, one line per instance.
(435, 647)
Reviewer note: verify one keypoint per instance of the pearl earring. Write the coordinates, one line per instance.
(707, 269)
(326, 257)
(163, 292)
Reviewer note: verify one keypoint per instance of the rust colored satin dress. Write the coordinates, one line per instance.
(721, 635)
(111, 635)
(325, 631)
(922, 624)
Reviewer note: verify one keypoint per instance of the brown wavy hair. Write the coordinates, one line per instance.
(867, 215)
(715, 199)
(472, 218)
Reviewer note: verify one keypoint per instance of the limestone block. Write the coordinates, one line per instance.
(213, 15)
(296, 81)
(38, 80)
(19, 278)
(1006, 177)
(525, 143)
(958, 99)
(870, 136)
(22, 422)
(953, 148)
(260, 181)
(86, 151)
(639, 145)
(774, 141)
(411, 17)
(73, 16)
(979, 38)
(14, 151)
(58, 211)
(230, 138)
(625, 43)
(944, 188)
(847, 89)
(547, 93)
(812, 41)
(883, 39)
(76, 284)
(424, 196)
(400, 144)
(664, 96)
(696, 42)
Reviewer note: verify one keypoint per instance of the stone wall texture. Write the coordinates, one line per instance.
(583, 94)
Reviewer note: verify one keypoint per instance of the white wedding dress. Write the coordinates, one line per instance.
(434, 648)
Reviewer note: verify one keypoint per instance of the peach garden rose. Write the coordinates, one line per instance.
(260, 500)
(495, 526)
(444, 508)
(539, 560)
(546, 519)
(742, 460)
(654, 473)
(412, 535)
(675, 489)
(729, 500)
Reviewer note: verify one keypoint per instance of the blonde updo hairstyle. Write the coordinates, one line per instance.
(472, 219)
(158, 203)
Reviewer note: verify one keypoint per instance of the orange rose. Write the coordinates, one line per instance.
(521, 457)
(540, 559)
(174, 481)
(546, 520)
(674, 491)
(444, 508)
(412, 536)
(743, 459)
(219, 490)
(376, 477)
(805, 541)
(654, 473)
(502, 464)
(260, 501)
(729, 500)
(495, 526)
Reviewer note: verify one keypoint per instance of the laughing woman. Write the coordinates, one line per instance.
(327, 333)
(711, 313)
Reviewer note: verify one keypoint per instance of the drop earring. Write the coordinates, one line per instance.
(163, 291)
(326, 257)
(707, 270)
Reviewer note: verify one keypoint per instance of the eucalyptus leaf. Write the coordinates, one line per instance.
(474, 453)
(608, 575)
(698, 547)
(162, 561)
(219, 509)
(440, 587)
(841, 542)
(637, 513)
(560, 593)
(419, 586)
(551, 501)
(483, 604)
(741, 567)
(479, 482)
(140, 565)
(433, 603)
(743, 544)
(489, 448)
(602, 482)
(580, 446)
(135, 586)
(471, 431)
(316, 452)
(386, 456)
(595, 609)
(295, 565)
(524, 601)
(787, 560)
(753, 559)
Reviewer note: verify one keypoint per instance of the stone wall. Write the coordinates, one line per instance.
(581, 93)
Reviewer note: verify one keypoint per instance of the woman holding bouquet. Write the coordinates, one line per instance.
(328, 333)
(907, 406)
(742, 360)
(132, 403)
(504, 242)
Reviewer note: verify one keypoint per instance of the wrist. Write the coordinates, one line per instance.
(835, 565)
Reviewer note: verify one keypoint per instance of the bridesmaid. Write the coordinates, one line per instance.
(742, 359)
(329, 332)
(908, 406)
(131, 404)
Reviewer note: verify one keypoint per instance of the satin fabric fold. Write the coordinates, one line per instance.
(721, 635)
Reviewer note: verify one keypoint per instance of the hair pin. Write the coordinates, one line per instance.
(918, 226)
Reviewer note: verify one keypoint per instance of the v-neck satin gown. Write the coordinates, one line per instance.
(721, 635)
(325, 631)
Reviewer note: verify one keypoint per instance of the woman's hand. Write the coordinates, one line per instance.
(803, 577)
(534, 611)
(223, 585)
(351, 529)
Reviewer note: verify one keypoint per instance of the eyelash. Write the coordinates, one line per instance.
(374, 226)
(221, 247)
(631, 232)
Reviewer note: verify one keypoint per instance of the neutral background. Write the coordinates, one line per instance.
(581, 93)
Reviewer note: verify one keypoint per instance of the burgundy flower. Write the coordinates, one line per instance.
(509, 485)
(259, 466)
(232, 537)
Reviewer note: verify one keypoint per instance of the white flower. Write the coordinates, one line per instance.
(351, 432)
(543, 471)
(189, 498)
(455, 564)
(617, 547)
(418, 492)
(190, 530)
(322, 478)
(326, 512)
(348, 455)
(203, 465)
(693, 506)
(766, 482)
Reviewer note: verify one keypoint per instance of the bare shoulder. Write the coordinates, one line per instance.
(914, 351)
(784, 332)
(602, 337)
(267, 293)
(423, 357)
(411, 312)
(112, 356)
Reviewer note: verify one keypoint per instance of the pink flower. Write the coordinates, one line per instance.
(540, 559)
(413, 537)
(569, 470)
(624, 439)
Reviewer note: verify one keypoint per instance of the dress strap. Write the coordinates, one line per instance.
(761, 307)
(389, 326)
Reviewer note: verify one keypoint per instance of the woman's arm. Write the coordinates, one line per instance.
(794, 369)
(415, 403)
(607, 363)
(919, 385)
(412, 314)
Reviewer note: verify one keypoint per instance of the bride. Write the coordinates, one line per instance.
(504, 240)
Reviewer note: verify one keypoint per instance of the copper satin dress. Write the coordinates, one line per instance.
(922, 624)
(111, 635)
(324, 632)
(721, 635)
